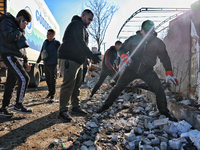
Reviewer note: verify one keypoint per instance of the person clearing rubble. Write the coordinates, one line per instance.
(108, 66)
(143, 49)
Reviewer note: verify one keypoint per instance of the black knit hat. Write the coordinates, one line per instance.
(147, 26)
(25, 14)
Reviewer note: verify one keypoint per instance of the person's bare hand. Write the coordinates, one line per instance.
(28, 67)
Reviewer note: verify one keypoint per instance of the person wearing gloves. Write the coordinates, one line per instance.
(108, 66)
(12, 48)
(50, 63)
(146, 47)
(72, 54)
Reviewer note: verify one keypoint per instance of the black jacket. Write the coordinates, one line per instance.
(145, 57)
(75, 41)
(111, 54)
(10, 33)
(51, 47)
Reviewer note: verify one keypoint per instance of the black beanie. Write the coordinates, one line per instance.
(25, 14)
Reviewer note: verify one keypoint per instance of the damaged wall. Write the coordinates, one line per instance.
(178, 46)
(194, 73)
(183, 48)
(195, 16)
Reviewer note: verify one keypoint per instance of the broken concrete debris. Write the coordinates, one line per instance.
(128, 131)
(160, 122)
(163, 146)
(132, 122)
(183, 126)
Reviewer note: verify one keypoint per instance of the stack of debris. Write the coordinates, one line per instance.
(132, 122)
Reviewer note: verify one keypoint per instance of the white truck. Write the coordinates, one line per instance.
(42, 20)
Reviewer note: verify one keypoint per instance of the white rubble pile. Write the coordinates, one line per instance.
(133, 122)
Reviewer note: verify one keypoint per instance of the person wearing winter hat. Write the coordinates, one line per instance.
(146, 47)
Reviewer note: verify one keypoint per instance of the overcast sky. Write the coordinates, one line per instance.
(64, 10)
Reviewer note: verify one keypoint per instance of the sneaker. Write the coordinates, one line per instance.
(112, 83)
(171, 118)
(64, 116)
(78, 111)
(53, 100)
(103, 108)
(4, 112)
(22, 109)
(48, 95)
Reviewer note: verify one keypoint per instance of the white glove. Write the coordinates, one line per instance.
(171, 77)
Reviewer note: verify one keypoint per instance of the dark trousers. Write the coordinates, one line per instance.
(84, 73)
(85, 64)
(51, 76)
(151, 79)
(16, 72)
(103, 75)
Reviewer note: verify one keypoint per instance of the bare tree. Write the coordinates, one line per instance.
(103, 14)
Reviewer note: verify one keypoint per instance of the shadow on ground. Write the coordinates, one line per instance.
(17, 136)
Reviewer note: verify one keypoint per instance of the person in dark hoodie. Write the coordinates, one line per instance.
(50, 64)
(108, 65)
(12, 47)
(72, 54)
(147, 47)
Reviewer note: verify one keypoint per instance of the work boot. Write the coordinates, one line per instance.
(4, 112)
(103, 108)
(171, 118)
(64, 116)
(78, 111)
(112, 83)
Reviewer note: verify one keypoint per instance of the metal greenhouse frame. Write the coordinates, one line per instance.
(160, 16)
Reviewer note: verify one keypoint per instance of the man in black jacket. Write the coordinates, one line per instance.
(72, 54)
(50, 64)
(108, 65)
(12, 47)
(146, 48)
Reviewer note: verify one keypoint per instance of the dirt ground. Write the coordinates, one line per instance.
(39, 129)
(42, 129)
